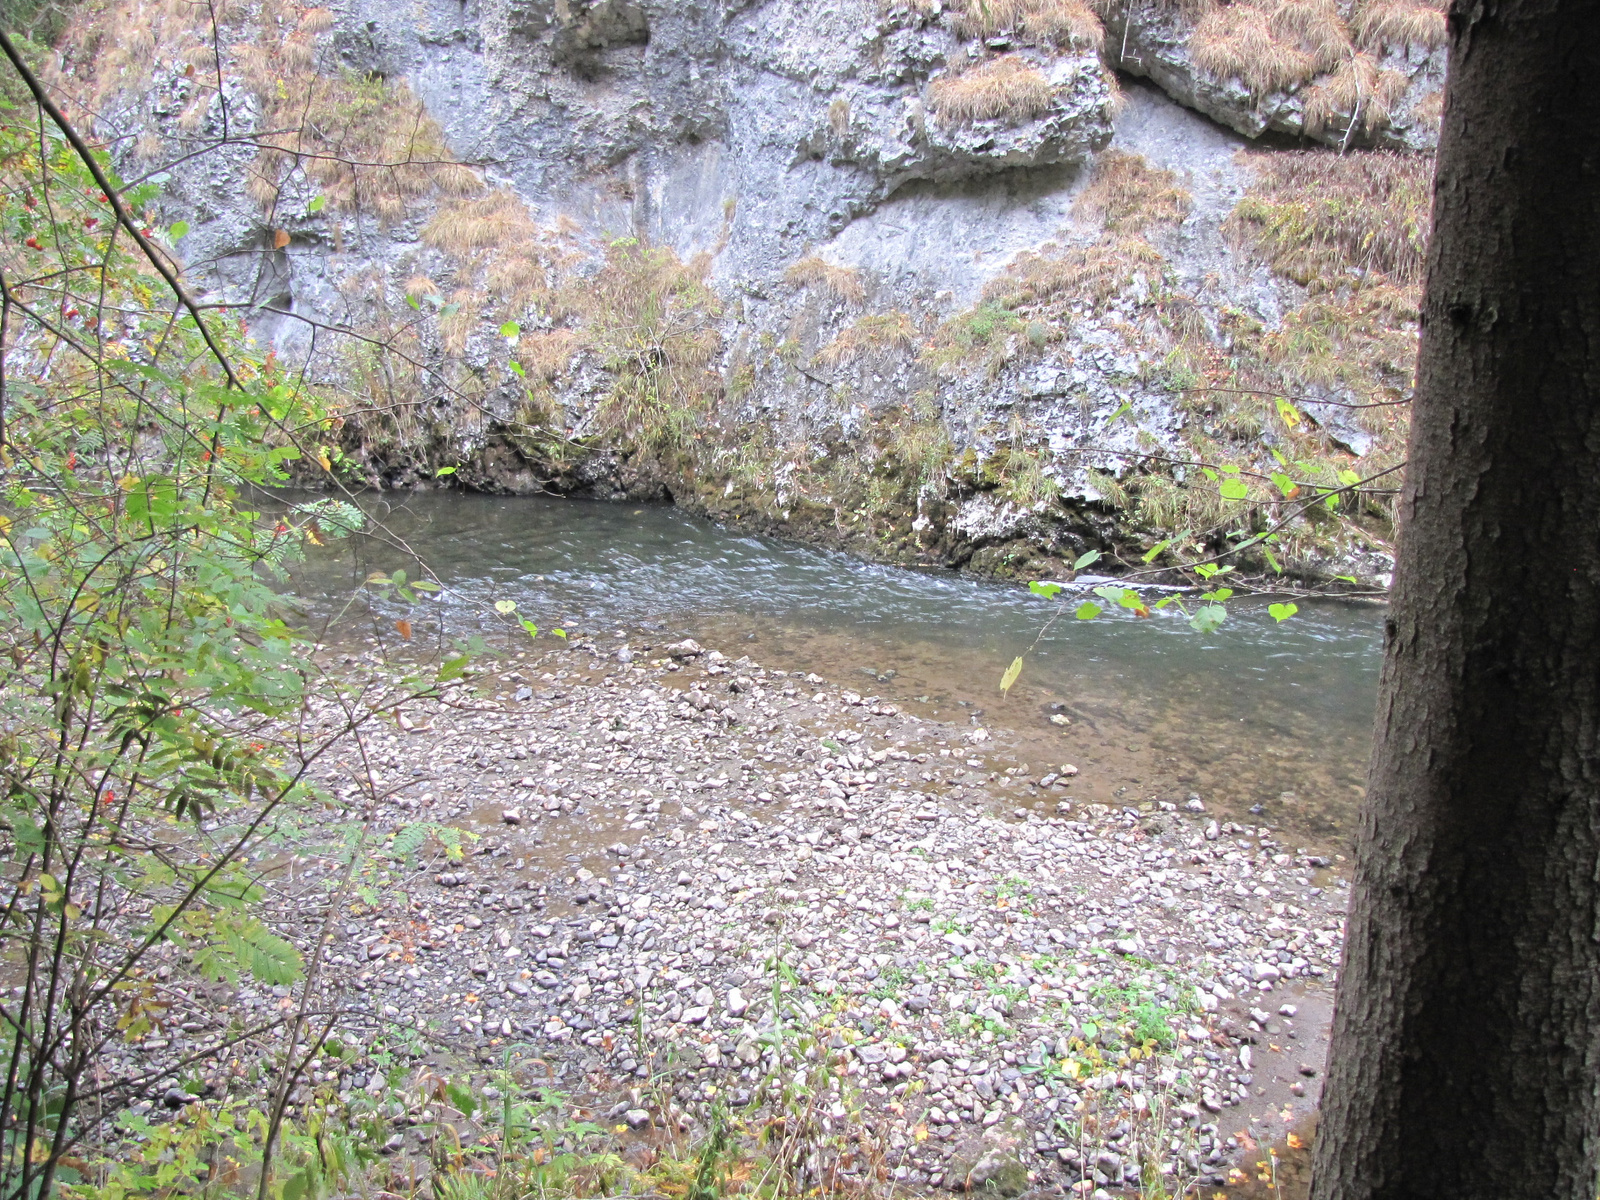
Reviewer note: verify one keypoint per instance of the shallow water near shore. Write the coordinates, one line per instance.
(1254, 716)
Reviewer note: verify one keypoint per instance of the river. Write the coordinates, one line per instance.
(1267, 722)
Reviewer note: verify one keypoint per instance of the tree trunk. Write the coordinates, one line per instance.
(1466, 1049)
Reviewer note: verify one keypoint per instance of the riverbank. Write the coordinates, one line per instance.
(685, 877)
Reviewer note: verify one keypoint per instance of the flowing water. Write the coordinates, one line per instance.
(1257, 717)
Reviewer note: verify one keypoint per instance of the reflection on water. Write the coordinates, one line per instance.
(1254, 714)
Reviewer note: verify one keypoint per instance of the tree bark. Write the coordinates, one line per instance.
(1466, 1049)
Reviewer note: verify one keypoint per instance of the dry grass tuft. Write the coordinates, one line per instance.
(839, 116)
(463, 227)
(1430, 111)
(1041, 22)
(842, 282)
(1237, 42)
(1315, 28)
(367, 143)
(460, 317)
(1271, 45)
(1093, 274)
(1359, 94)
(1317, 217)
(1005, 88)
(875, 331)
(545, 353)
(1129, 195)
(497, 243)
(651, 320)
(1382, 23)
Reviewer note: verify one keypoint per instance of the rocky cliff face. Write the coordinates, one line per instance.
(987, 283)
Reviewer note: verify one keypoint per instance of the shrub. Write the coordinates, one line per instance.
(144, 666)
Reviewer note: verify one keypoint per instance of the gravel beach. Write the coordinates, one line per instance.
(672, 861)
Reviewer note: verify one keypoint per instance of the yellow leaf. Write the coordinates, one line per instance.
(311, 536)
(1295, 1143)
(1010, 677)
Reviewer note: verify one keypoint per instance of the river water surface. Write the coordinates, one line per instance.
(1268, 722)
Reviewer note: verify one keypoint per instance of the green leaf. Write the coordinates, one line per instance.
(271, 959)
(1042, 587)
(1271, 560)
(176, 230)
(1087, 611)
(1166, 600)
(1349, 478)
(505, 607)
(1086, 560)
(1235, 489)
(560, 633)
(414, 302)
(516, 369)
(1207, 618)
(443, 471)
(1126, 405)
(533, 630)
(409, 840)
(1155, 551)
(463, 1100)
(1282, 612)
(510, 330)
(1284, 484)
(1290, 415)
(1012, 672)
(452, 668)
(318, 203)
